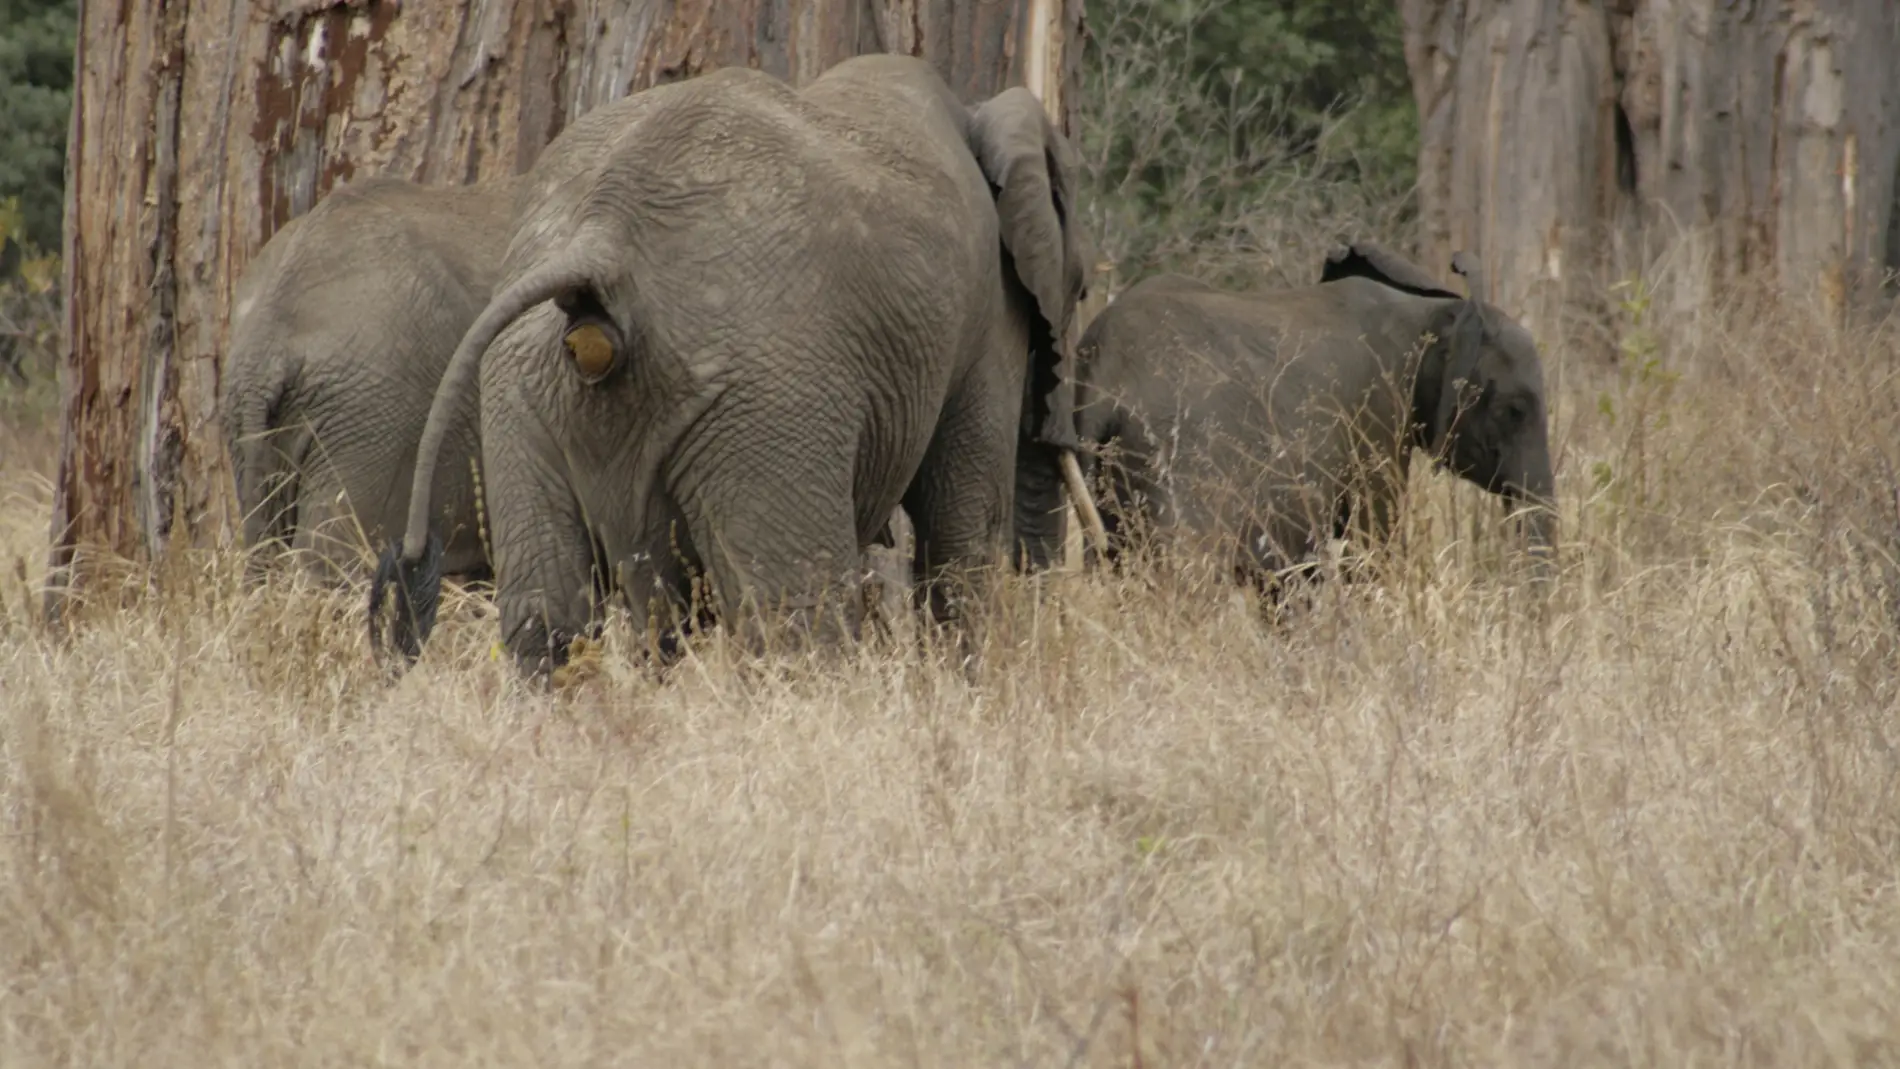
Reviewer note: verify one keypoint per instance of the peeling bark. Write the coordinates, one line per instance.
(1568, 141)
(202, 126)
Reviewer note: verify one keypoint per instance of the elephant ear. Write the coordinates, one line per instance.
(1031, 170)
(1364, 259)
(1466, 344)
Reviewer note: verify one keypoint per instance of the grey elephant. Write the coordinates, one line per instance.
(1259, 425)
(341, 329)
(737, 326)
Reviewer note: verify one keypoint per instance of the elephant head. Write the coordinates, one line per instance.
(1478, 401)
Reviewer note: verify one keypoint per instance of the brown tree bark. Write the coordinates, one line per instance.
(1569, 140)
(201, 126)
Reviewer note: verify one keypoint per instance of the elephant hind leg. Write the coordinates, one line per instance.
(774, 526)
(784, 574)
(270, 488)
(338, 517)
(962, 500)
(547, 563)
(655, 583)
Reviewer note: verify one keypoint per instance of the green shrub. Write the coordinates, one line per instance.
(1235, 140)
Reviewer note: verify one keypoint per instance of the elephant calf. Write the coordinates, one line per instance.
(342, 327)
(1258, 425)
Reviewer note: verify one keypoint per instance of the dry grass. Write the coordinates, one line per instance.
(1650, 820)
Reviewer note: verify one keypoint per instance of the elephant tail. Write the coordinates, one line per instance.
(414, 566)
(417, 594)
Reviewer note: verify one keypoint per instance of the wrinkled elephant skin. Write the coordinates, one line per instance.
(342, 327)
(738, 325)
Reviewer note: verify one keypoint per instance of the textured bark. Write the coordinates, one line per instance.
(1568, 140)
(202, 126)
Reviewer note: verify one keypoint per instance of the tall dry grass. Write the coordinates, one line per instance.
(1651, 818)
(1647, 817)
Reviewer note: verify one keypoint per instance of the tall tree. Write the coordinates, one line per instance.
(201, 126)
(1562, 138)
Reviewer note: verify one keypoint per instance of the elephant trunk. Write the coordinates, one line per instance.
(413, 566)
(1541, 526)
(1533, 486)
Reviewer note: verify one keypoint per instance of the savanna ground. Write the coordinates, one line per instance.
(1648, 818)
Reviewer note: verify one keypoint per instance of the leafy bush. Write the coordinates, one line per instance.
(29, 306)
(36, 88)
(1236, 139)
(36, 83)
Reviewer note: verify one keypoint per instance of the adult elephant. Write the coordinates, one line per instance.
(1258, 425)
(738, 324)
(344, 323)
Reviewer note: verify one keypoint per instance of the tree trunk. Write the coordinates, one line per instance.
(1570, 141)
(201, 126)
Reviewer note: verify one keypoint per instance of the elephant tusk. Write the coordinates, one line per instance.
(1084, 503)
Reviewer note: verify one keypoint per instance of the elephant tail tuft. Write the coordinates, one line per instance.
(417, 594)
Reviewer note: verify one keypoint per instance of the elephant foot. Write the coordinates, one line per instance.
(1283, 592)
(540, 650)
(825, 626)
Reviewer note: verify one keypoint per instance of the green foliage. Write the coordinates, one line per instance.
(1335, 68)
(29, 309)
(36, 81)
(39, 269)
(1213, 130)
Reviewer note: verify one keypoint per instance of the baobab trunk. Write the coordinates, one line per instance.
(201, 126)
(1569, 142)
